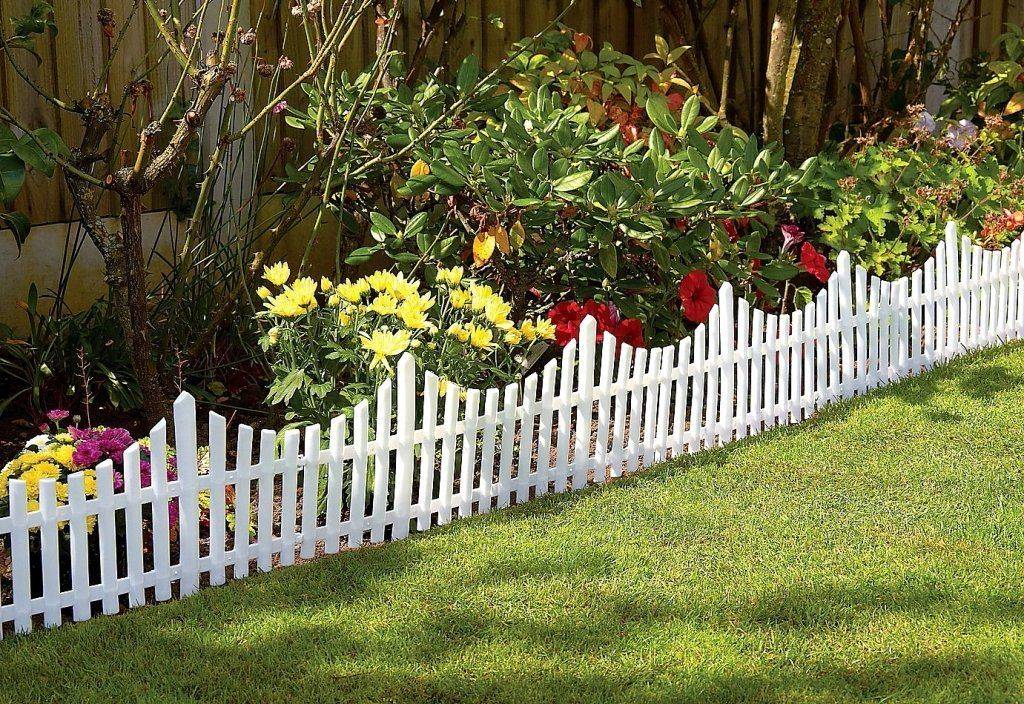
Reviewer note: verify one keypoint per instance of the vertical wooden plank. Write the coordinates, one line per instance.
(977, 269)
(682, 374)
(810, 335)
(523, 479)
(447, 475)
(567, 371)
(336, 483)
(742, 365)
(861, 304)
(727, 347)
(243, 492)
(186, 449)
(821, 351)
(48, 552)
(545, 429)
(79, 538)
(796, 364)
(965, 293)
(618, 447)
(784, 344)
(381, 462)
(405, 427)
(929, 313)
(757, 363)
(664, 398)
(21, 571)
(953, 289)
(107, 536)
(699, 379)
(941, 294)
(468, 464)
(428, 452)
(265, 500)
(771, 370)
(603, 392)
(1013, 307)
(834, 351)
(636, 410)
(648, 423)
(289, 491)
(714, 367)
(360, 457)
(585, 407)
(845, 323)
(133, 525)
(161, 511)
(310, 490)
(487, 450)
(885, 309)
(218, 514)
(874, 330)
(916, 292)
(510, 403)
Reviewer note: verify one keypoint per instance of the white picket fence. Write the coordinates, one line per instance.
(742, 372)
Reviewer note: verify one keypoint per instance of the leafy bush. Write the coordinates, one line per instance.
(550, 206)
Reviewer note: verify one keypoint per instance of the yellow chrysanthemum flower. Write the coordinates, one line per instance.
(545, 329)
(513, 337)
(401, 288)
(384, 343)
(284, 306)
(325, 284)
(384, 304)
(303, 291)
(452, 276)
(496, 312)
(411, 316)
(64, 437)
(481, 294)
(273, 335)
(459, 298)
(352, 292)
(528, 330)
(278, 274)
(381, 281)
(481, 338)
(263, 292)
(458, 332)
(63, 454)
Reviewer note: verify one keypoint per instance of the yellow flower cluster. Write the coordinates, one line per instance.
(295, 299)
(490, 314)
(52, 461)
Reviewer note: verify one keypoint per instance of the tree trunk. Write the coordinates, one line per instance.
(817, 26)
(126, 274)
(777, 72)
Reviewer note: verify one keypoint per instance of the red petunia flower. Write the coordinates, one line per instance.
(566, 317)
(813, 262)
(697, 296)
(629, 331)
(732, 230)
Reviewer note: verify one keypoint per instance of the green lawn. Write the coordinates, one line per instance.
(874, 554)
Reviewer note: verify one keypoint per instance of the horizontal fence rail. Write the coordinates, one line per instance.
(419, 458)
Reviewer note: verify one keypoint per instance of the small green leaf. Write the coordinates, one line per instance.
(661, 116)
(609, 261)
(468, 74)
(571, 182)
(12, 177)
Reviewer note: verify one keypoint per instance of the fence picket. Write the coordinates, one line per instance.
(382, 463)
(952, 286)
(21, 571)
(490, 420)
(682, 382)
(757, 362)
(636, 408)
(727, 366)
(714, 363)
(108, 537)
(742, 365)
(446, 483)
(820, 388)
(186, 451)
(265, 500)
(771, 369)
(309, 513)
(360, 459)
(585, 407)
(664, 395)
(468, 464)
(510, 402)
(218, 514)
(48, 551)
(132, 525)
(335, 483)
(604, 407)
(941, 295)
(618, 448)
(564, 429)
(648, 421)
(405, 428)
(243, 496)
(79, 539)
(861, 312)
(523, 479)
(428, 450)
(161, 512)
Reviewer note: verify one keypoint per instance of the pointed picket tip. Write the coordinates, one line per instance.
(951, 229)
(160, 427)
(406, 364)
(184, 399)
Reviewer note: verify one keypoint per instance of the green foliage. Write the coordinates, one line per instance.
(65, 358)
(17, 155)
(551, 203)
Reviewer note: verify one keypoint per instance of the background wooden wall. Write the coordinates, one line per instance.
(72, 61)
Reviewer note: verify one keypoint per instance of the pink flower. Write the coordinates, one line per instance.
(284, 63)
(792, 235)
(280, 107)
(58, 414)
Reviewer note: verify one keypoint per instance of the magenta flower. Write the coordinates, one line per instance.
(58, 414)
(87, 453)
(792, 235)
(280, 107)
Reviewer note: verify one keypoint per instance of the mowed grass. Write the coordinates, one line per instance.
(875, 553)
